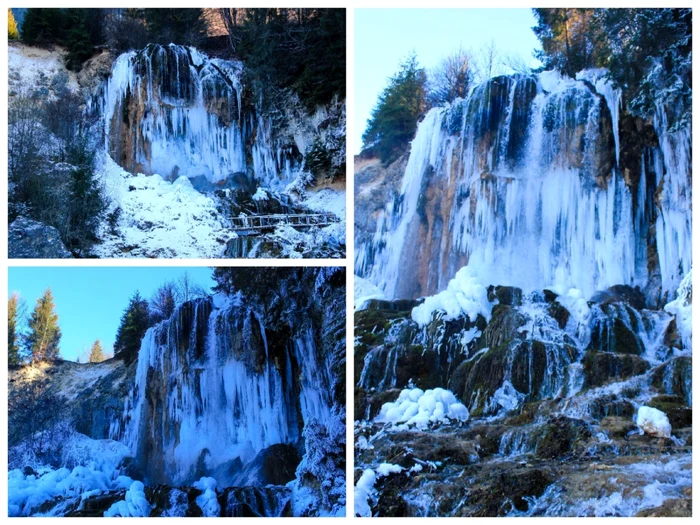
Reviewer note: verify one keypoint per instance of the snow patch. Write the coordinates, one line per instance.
(654, 422)
(414, 407)
(465, 295)
(134, 504)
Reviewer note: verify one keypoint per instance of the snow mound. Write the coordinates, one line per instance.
(414, 407)
(363, 493)
(364, 489)
(653, 422)
(207, 499)
(465, 295)
(159, 218)
(134, 504)
(26, 493)
(682, 308)
(364, 292)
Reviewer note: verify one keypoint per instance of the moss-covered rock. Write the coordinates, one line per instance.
(600, 368)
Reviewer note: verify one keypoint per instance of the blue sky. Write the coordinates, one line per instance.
(90, 301)
(384, 37)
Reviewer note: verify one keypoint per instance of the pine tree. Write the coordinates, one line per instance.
(77, 38)
(133, 326)
(44, 334)
(97, 355)
(12, 31)
(394, 118)
(13, 355)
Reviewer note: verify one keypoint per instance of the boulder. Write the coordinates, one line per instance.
(600, 368)
(28, 239)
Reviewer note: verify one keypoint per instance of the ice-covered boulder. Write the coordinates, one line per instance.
(654, 422)
(414, 407)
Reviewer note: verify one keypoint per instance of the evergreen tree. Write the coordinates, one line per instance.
(43, 26)
(133, 326)
(97, 355)
(44, 333)
(394, 118)
(184, 26)
(647, 53)
(13, 353)
(77, 38)
(12, 31)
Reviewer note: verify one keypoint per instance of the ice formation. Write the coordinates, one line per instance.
(420, 409)
(653, 421)
(536, 196)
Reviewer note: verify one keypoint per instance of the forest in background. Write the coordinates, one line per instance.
(646, 52)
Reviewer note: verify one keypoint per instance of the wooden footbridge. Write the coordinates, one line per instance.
(258, 224)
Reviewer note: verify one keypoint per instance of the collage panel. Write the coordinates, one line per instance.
(215, 133)
(523, 284)
(169, 391)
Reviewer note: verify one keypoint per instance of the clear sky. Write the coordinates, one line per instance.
(90, 301)
(384, 37)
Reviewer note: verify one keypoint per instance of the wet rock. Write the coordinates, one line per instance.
(603, 367)
(549, 295)
(557, 311)
(507, 295)
(28, 239)
(559, 435)
(174, 501)
(614, 330)
(621, 294)
(502, 328)
(675, 378)
(672, 508)
(275, 465)
(514, 485)
(679, 414)
(617, 427)
(250, 502)
(96, 506)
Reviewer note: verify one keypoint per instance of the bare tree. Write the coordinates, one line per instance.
(489, 61)
(186, 289)
(36, 421)
(163, 302)
(516, 64)
(452, 78)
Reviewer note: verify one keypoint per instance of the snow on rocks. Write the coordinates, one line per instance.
(29, 491)
(364, 292)
(465, 295)
(134, 504)
(653, 422)
(207, 499)
(414, 407)
(159, 218)
(682, 308)
(364, 489)
(328, 200)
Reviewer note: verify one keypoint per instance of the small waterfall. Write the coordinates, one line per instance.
(532, 195)
(174, 111)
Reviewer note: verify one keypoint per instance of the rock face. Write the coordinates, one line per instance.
(28, 239)
(552, 388)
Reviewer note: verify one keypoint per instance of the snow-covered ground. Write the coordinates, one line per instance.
(33, 67)
(159, 218)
